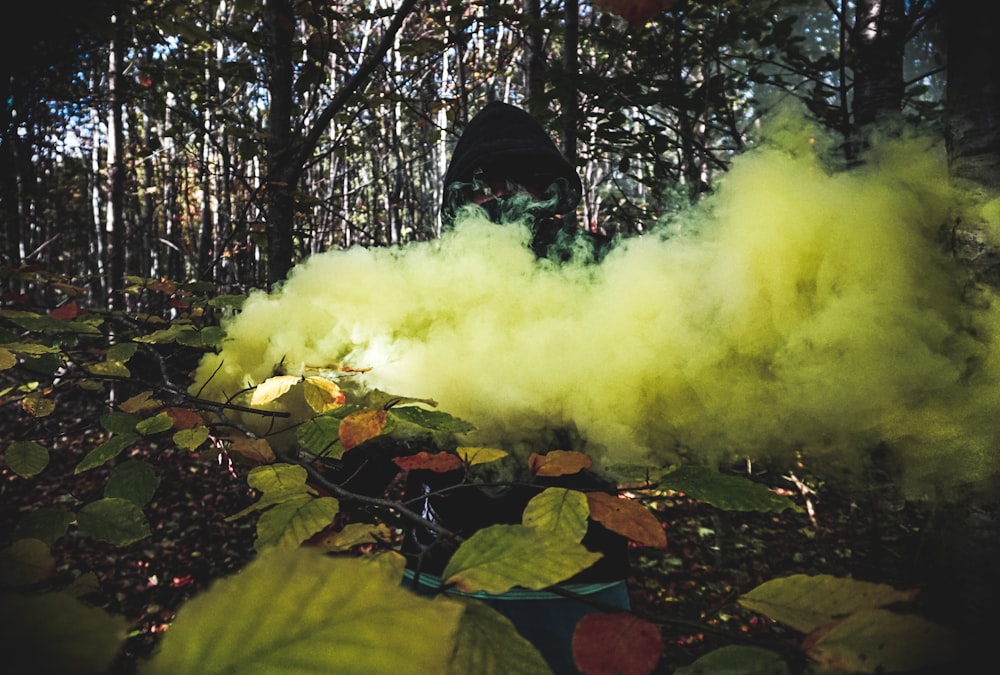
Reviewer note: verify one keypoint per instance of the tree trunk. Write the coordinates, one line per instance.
(570, 99)
(878, 40)
(972, 130)
(114, 218)
(534, 58)
(280, 21)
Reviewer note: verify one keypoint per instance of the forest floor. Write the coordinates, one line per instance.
(711, 559)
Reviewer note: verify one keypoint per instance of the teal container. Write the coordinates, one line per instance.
(545, 619)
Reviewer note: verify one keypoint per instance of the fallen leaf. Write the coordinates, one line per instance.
(272, 388)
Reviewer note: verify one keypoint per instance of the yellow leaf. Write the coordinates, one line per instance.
(355, 534)
(322, 394)
(37, 406)
(139, 402)
(472, 456)
(255, 449)
(7, 359)
(272, 388)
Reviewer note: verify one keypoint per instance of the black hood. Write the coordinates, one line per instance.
(505, 142)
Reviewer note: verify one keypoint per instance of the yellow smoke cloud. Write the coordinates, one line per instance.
(801, 309)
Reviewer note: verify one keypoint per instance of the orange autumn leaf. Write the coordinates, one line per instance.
(439, 462)
(616, 644)
(360, 426)
(636, 12)
(559, 463)
(628, 518)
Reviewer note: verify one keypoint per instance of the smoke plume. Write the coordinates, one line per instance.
(805, 311)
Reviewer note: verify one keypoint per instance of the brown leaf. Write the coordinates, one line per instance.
(439, 462)
(184, 418)
(636, 12)
(559, 463)
(321, 394)
(360, 426)
(616, 644)
(628, 518)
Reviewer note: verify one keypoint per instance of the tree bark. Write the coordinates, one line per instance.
(878, 40)
(114, 218)
(279, 186)
(973, 95)
(570, 99)
(534, 58)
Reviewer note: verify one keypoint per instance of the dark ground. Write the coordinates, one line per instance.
(712, 557)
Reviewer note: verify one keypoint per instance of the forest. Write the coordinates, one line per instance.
(274, 401)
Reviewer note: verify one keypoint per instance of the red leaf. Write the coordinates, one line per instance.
(616, 644)
(439, 462)
(636, 12)
(67, 312)
(559, 463)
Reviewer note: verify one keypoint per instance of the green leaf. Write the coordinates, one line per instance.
(104, 452)
(738, 660)
(114, 520)
(156, 424)
(298, 611)
(47, 525)
(500, 557)
(487, 643)
(26, 562)
(806, 602)
(27, 458)
(30, 348)
(122, 352)
(273, 498)
(431, 419)
(56, 633)
(880, 641)
(292, 522)
(7, 359)
(730, 493)
(276, 476)
(321, 436)
(133, 480)
(558, 512)
(119, 422)
(227, 301)
(109, 369)
(191, 439)
(47, 324)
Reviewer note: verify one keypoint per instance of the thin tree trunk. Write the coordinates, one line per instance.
(115, 222)
(571, 100)
(534, 58)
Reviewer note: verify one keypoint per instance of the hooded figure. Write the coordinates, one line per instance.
(507, 164)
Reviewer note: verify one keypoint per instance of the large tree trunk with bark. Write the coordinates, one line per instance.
(973, 127)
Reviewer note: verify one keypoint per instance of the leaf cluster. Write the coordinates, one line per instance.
(328, 568)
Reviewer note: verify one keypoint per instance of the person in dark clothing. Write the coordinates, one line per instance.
(507, 164)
